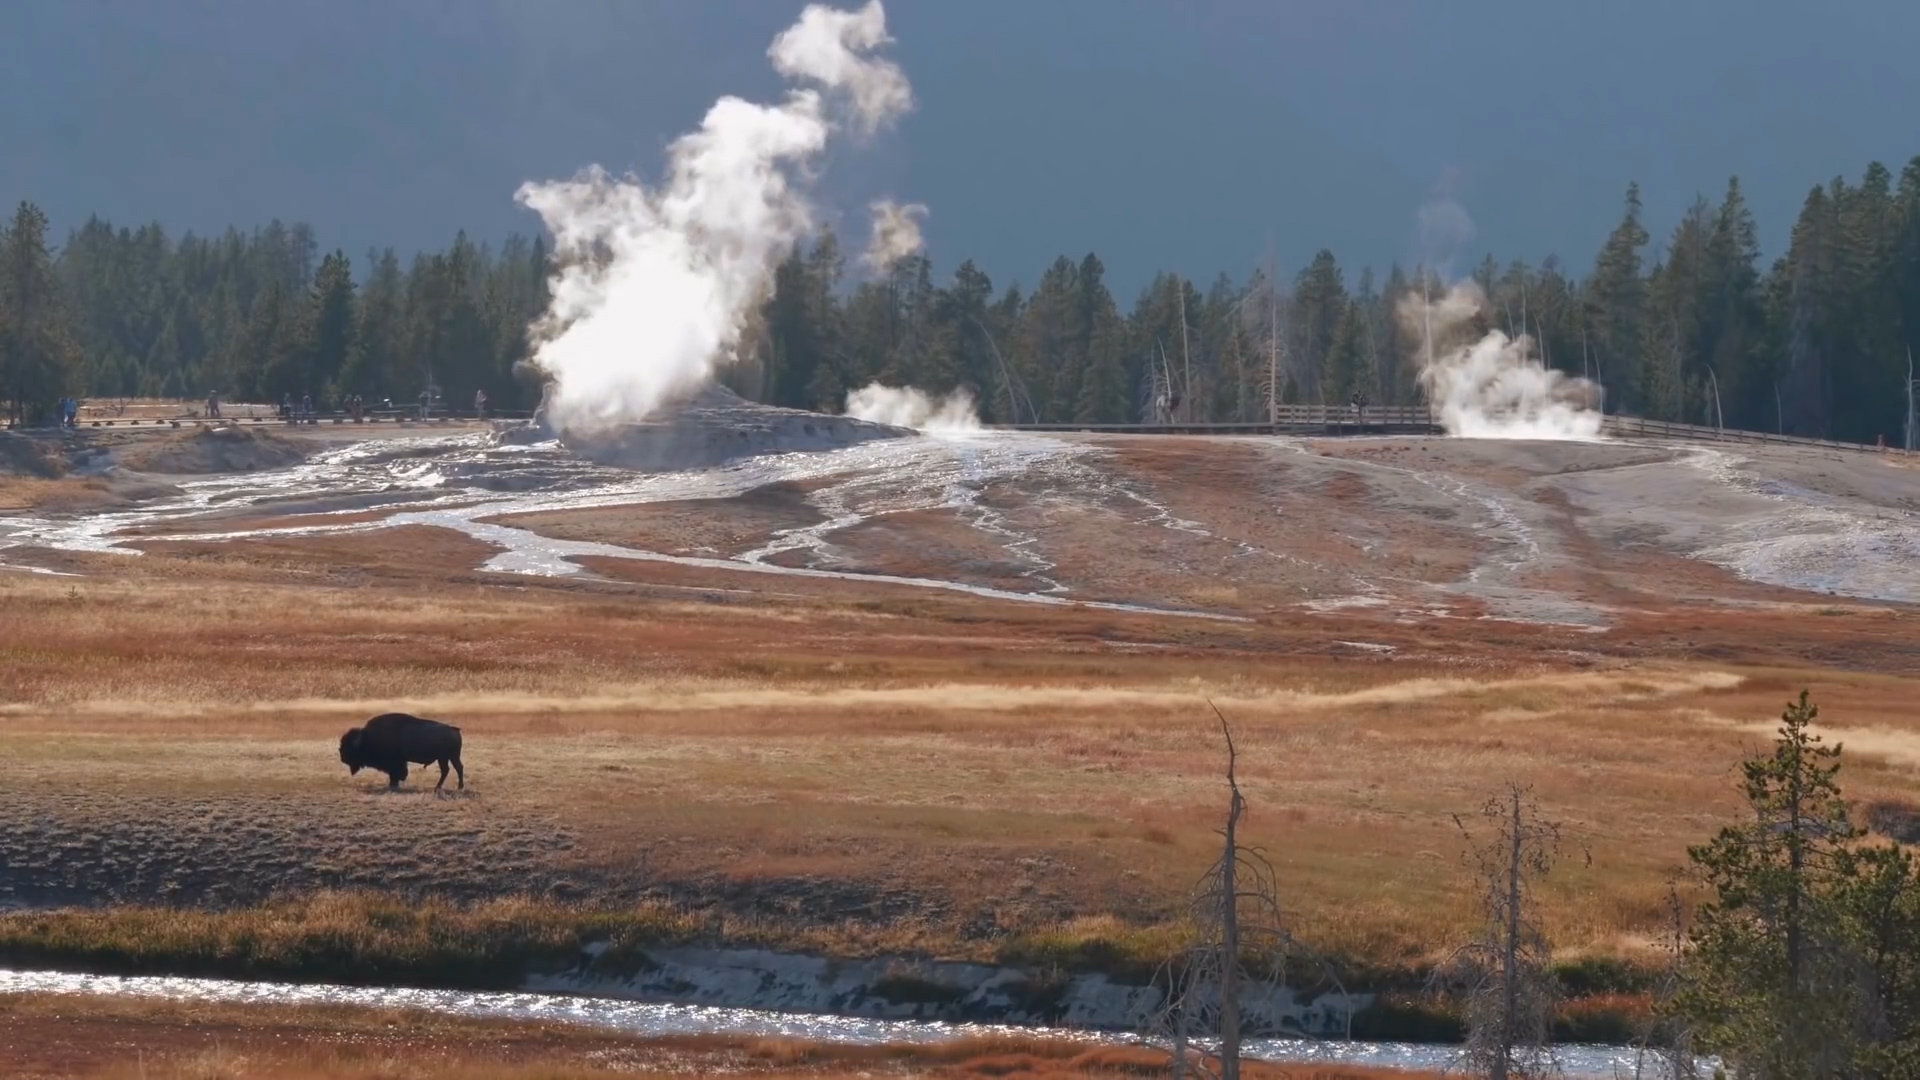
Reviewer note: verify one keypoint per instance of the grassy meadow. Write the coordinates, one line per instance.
(836, 767)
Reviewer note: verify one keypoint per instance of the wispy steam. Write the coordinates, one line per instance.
(1491, 386)
(912, 408)
(896, 234)
(827, 46)
(1444, 226)
(654, 284)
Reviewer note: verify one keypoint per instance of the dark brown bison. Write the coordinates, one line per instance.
(391, 740)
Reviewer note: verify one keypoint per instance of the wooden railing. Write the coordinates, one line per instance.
(1403, 419)
(1632, 427)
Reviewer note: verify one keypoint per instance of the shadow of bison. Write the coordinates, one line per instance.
(390, 741)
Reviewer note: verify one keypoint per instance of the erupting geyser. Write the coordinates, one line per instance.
(1492, 386)
(654, 285)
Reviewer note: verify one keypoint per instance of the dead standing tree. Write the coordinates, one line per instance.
(1235, 911)
(1504, 975)
(1664, 1050)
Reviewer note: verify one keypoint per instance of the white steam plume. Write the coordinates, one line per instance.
(1492, 387)
(826, 45)
(907, 407)
(896, 234)
(654, 285)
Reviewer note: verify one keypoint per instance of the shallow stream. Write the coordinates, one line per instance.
(657, 1021)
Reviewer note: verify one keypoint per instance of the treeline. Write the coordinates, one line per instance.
(1697, 331)
(1693, 330)
(259, 316)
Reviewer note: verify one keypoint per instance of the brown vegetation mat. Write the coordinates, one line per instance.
(214, 450)
(715, 528)
(44, 1037)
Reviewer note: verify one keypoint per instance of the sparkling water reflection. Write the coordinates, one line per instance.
(660, 1020)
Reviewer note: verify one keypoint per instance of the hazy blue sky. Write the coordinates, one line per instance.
(1172, 133)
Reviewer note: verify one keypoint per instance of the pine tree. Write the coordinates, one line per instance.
(963, 354)
(1347, 373)
(1103, 397)
(327, 331)
(1097, 383)
(801, 327)
(1804, 291)
(36, 353)
(1050, 340)
(1376, 341)
(1734, 320)
(1806, 961)
(1615, 304)
(1319, 302)
(272, 366)
(370, 366)
(1672, 357)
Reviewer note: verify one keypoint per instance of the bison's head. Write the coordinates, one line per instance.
(350, 751)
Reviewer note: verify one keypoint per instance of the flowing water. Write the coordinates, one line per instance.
(464, 482)
(656, 1020)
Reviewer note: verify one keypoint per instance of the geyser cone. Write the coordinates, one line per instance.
(712, 426)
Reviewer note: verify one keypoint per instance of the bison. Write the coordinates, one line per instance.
(391, 740)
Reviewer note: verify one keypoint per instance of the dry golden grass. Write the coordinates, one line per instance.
(51, 1035)
(875, 767)
(63, 495)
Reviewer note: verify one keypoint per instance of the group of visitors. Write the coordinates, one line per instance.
(301, 410)
(67, 410)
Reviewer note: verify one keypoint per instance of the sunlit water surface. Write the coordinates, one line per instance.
(655, 1021)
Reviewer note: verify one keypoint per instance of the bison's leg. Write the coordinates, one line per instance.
(443, 775)
(457, 767)
(395, 775)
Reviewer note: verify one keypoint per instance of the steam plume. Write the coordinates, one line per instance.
(896, 233)
(912, 408)
(1492, 386)
(653, 285)
(1444, 228)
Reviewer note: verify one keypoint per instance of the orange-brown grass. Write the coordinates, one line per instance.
(59, 494)
(57, 1035)
(880, 766)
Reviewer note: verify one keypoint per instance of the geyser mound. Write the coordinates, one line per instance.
(709, 427)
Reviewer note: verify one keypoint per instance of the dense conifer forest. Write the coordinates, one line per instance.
(1817, 343)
